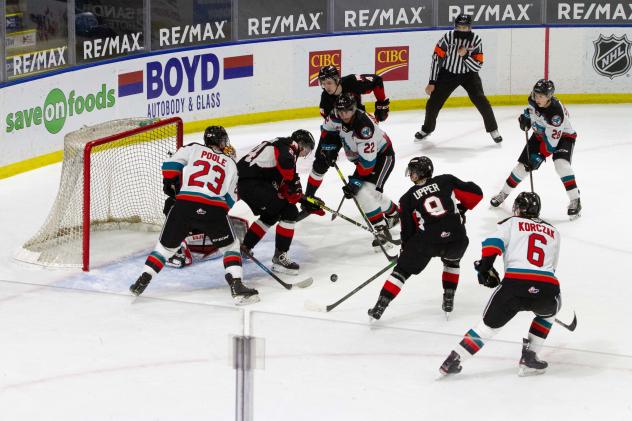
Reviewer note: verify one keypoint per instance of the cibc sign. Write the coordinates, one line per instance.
(318, 59)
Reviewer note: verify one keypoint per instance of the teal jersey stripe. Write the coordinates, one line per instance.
(495, 242)
(170, 165)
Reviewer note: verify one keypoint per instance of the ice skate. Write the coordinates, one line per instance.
(448, 301)
(498, 199)
(242, 295)
(283, 264)
(382, 237)
(182, 257)
(420, 136)
(141, 283)
(574, 209)
(496, 137)
(451, 365)
(376, 312)
(530, 364)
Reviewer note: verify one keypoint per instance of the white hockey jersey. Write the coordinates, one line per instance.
(363, 140)
(550, 124)
(206, 176)
(530, 248)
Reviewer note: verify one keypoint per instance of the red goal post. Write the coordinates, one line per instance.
(111, 180)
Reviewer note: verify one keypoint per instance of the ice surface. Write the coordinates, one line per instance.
(102, 355)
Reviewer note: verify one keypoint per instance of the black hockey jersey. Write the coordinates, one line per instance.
(431, 208)
(358, 85)
(273, 160)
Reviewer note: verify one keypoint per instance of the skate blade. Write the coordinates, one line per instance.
(447, 316)
(574, 217)
(242, 301)
(314, 306)
(527, 372)
(283, 269)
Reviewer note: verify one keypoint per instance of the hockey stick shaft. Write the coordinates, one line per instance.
(335, 214)
(359, 287)
(328, 209)
(285, 285)
(526, 136)
(366, 218)
(571, 326)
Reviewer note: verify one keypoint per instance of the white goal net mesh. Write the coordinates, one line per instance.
(124, 189)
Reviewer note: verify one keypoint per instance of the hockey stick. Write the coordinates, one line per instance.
(571, 326)
(526, 136)
(334, 214)
(310, 305)
(324, 207)
(303, 284)
(366, 218)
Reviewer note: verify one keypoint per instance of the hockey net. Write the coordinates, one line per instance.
(111, 179)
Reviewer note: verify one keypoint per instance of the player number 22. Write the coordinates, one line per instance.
(206, 168)
(535, 254)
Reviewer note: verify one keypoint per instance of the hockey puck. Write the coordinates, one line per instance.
(333, 277)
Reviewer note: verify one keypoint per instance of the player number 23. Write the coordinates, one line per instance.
(216, 185)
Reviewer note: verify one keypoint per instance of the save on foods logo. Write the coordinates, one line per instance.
(58, 107)
(392, 62)
(318, 59)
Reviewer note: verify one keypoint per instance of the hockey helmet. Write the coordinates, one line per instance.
(421, 166)
(545, 87)
(345, 102)
(304, 139)
(463, 20)
(527, 204)
(328, 72)
(216, 136)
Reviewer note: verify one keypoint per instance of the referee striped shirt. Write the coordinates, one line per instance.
(446, 57)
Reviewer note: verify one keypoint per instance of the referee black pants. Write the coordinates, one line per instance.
(447, 82)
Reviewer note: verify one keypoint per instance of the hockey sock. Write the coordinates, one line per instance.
(539, 330)
(392, 210)
(255, 233)
(232, 260)
(157, 258)
(284, 235)
(564, 170)
(450, 276)
(475, 339)
(517, 175)
(393, 285)
(376, 216)
(313, 183)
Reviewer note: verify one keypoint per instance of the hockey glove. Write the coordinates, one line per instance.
(330, 153)
(462, 209)
(292, 191)
(381, 109)
(171, 186)
(524, 122)
(535, 160)
(169, 202)
(352, 188)
(310, 207)
(488, 277)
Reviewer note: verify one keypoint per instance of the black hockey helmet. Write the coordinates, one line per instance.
(304, 140)
(421, 165)
(215, 136)
(328, 72)
(463, 19)
(345, 102)
(527, 204)
(544, 86)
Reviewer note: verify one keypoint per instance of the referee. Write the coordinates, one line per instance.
(457, 58)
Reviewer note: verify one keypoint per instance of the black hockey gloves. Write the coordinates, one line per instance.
(524, 122)
(382, 109)
(352, 188)
(487, 275)
(330, 153)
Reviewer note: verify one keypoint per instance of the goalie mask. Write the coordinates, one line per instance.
(527, 204)
(421, 166)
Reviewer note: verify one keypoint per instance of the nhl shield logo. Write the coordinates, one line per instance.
(612, 56)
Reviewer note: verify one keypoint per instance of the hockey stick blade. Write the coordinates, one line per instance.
(314, 306)
(571, 326)
(304, 283)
